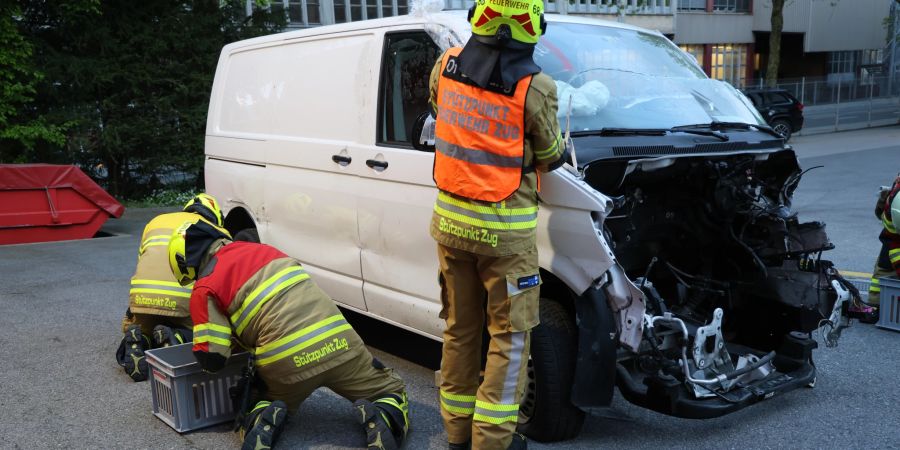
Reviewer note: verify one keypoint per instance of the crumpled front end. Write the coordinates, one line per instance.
(734, 284)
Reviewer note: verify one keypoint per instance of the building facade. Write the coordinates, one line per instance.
(836, 40)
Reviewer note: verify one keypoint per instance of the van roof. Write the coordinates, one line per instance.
(454, 17)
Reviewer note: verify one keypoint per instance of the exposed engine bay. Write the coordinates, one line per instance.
(734, 283)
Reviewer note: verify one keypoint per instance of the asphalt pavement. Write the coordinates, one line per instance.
(62, 304)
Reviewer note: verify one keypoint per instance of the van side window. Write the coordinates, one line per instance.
(403, 94)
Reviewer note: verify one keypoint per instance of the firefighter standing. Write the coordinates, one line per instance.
(496, 127)
(888, 262)
(300, 341)
(157, 304)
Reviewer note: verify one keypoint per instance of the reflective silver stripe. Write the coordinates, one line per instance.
(300, 339)
(476, 156)
(502, 414)
(251, 305)
(496, 414)
(511, 381)
(212, 333)
(457, 403)
(487, 217)
(162, 288)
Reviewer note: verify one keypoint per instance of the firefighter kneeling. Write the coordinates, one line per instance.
(266, 301)
(156, 302)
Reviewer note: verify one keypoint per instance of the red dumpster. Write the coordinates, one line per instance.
(44, 202)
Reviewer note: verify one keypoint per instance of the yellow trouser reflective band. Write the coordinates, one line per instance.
(894, 255)
(299, 340)
(544, 154)
(154, 241)
(485, 216)
(160, 287)
(210, 332)
(460, 404)
(874, 286)
(495, 413)
(268, 289)
(888, 225)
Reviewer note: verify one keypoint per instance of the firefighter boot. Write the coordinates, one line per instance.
(164, 336)
(386, 421)
(464, 446)
(130, 354)
(263, 425)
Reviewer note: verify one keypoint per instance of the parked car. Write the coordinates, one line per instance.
(782, 111)
(672, 265)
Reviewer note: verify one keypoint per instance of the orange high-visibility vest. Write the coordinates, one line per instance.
(479, 136)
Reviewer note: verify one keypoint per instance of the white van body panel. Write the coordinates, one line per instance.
(288, 104)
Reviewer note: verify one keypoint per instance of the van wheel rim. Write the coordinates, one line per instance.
(781, 129)
(527, 405)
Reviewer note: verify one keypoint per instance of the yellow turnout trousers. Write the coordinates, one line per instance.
(504, 290)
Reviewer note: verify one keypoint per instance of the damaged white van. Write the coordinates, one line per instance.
(673, 266)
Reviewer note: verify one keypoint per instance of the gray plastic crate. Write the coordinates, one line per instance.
(889, 314)
(184, 396)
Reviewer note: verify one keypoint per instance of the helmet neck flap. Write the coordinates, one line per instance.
(487, 62)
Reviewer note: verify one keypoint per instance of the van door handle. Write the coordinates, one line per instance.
(375, 163)
(341, 159)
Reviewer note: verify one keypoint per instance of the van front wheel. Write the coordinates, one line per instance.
(546, 414)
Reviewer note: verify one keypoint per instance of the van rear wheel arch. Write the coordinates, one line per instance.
(240, 222)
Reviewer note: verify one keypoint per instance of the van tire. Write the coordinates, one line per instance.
(247, 235)
(554, 346)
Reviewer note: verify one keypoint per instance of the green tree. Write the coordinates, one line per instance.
(132, 83)
(18, 76)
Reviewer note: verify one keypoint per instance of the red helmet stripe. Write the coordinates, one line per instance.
(487, 15)
(525, 20)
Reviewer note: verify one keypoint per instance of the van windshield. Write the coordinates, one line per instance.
(620, 78)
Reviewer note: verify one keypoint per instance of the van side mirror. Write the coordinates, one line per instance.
(422, 135)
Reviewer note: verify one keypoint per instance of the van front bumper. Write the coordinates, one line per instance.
(794, 369)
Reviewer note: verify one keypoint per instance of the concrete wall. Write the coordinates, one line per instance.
(796, 15)
(848, 25)
(830, 25)
(718, 28)
(664, 23)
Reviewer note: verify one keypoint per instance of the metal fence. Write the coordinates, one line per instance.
(827, 90)
(843, 103)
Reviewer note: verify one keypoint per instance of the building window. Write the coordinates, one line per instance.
(729, 63)
(696, 50)
(692, 5)
(304, 12)
(842, 62)
(738, 6)
(872, 56)
(352, 10)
